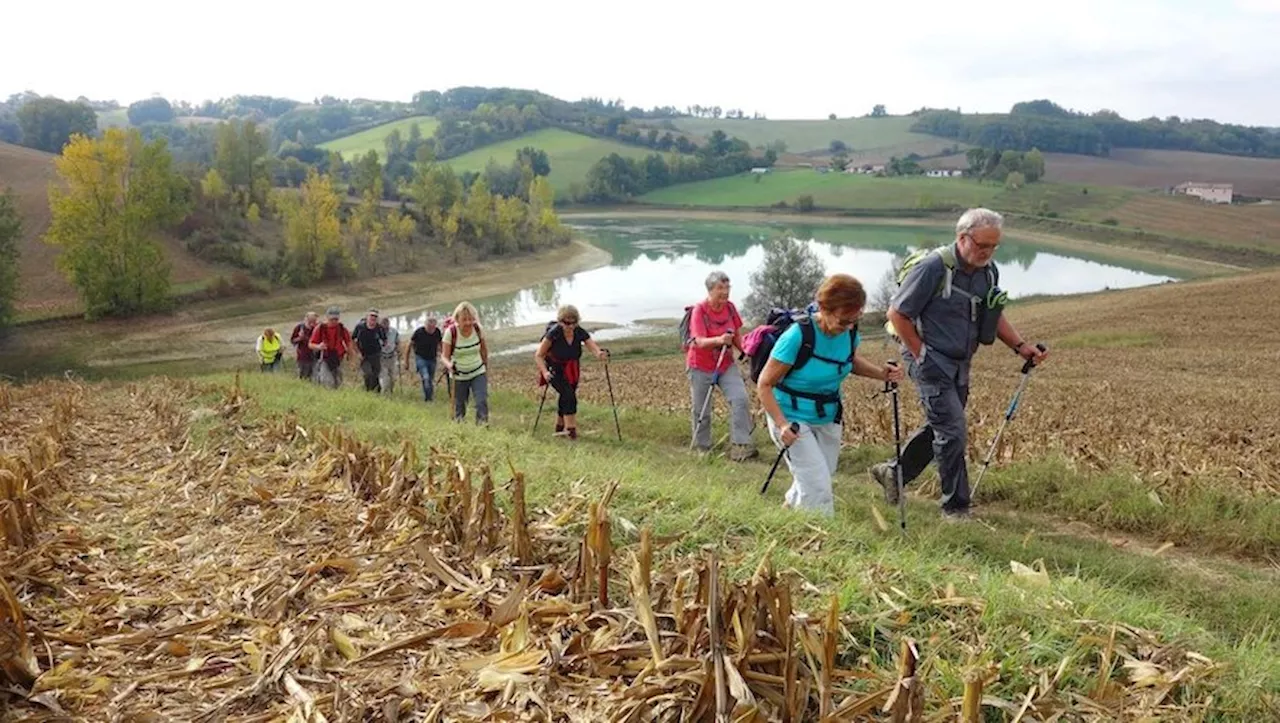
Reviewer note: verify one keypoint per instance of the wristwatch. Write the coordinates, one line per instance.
(1017, 349)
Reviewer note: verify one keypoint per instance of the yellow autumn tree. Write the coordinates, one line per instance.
(116, 193)
(312, 231)
(213, 187)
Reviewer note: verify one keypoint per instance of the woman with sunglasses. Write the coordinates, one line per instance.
(558, 365)
(809, 395)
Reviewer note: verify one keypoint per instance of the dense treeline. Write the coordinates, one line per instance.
(1045, 125)
(617, 178)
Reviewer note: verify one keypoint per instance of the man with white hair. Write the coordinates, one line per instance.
(936, 314)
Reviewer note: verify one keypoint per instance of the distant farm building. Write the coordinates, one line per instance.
(759, 169)
(1212, 192)
(867, 169)
(944, 172)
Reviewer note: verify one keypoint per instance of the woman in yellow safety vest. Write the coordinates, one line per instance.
(268, 348)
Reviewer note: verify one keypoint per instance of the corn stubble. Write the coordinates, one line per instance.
(278, 573)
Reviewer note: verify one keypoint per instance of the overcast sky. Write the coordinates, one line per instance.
(787, 59)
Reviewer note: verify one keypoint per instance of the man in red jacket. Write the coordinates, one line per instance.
(331, 341)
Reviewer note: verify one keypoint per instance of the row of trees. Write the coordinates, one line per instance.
(616, 177)
(120, 191)
(1052, 128)
(1015, 168)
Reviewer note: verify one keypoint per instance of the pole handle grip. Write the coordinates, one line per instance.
(888, 385)
(795, 428)
(1030, 363)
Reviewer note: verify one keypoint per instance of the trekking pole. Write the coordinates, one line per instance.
(795, 429)
(545, 387)
(891, 388)
(1008, 417)
(609, 380)
(715, 378)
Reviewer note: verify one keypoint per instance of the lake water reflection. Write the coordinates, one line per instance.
(659, 268)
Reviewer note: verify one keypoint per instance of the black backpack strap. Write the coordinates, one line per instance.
(820, 401)
(807, 341)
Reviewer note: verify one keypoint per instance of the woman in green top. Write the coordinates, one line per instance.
(466, 355)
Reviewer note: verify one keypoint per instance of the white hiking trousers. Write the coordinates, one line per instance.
(812, 460)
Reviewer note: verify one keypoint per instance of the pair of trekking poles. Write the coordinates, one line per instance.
(891, 388)
(612, 402)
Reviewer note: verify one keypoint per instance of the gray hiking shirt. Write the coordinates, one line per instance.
(948, 327)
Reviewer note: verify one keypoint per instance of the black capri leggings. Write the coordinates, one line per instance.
(568, 403)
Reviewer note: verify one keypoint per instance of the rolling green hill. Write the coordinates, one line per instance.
(867, 137)
(571, 154)
(357, 144)
(854, 191)
(829, 190)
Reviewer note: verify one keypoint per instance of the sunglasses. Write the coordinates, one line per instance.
(566, 322)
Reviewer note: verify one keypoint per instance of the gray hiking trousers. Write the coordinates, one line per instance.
(944, 436)
(735, 393)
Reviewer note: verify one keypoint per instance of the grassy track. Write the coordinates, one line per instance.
(358, 144)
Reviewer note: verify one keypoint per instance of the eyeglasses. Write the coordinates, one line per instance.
(986, 248)
(566, 322)
(848, 322)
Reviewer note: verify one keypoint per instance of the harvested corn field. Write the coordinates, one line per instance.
(255, 571)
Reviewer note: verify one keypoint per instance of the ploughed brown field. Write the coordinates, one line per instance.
(1255, 225)
(1162, 169)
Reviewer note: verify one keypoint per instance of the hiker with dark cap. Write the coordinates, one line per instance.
(331, 341)
(558, 358)
(368, 337)
(937, 315)
(424, 348)
(715, 330)
(301, 340)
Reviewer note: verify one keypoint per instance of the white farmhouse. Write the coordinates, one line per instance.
(1212, 192)
(760, 169)
(944, 173)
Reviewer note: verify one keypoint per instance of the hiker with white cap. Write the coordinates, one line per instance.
(389, 370)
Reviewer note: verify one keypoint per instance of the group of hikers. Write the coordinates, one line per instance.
(457, 347)
(947, 304)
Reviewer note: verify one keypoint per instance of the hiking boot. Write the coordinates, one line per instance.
(743, 452)
(959, 514)
(883, 474)
(702, 452)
